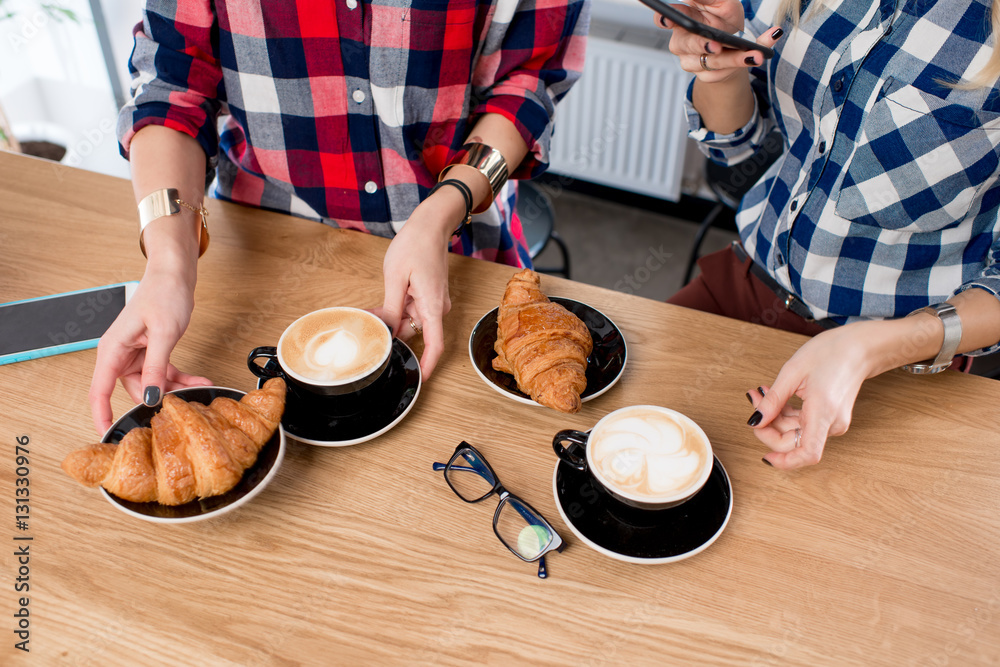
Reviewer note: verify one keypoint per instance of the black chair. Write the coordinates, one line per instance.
(538, 219)
(729, 185)
(987, 367)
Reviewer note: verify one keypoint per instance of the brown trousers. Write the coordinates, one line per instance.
(725, 286)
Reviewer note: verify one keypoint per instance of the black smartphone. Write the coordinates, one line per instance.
(706, 31)
(59, 323)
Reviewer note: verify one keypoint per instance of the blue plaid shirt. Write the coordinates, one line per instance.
(886, 197)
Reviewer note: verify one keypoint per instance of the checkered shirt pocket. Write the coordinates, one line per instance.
(920, 162)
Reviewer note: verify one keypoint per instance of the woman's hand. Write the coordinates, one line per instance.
(723, 63)
(416, 273)
(826, 373)
(137, 346)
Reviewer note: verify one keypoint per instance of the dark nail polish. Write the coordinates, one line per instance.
(755, 418)
(151, 396)
(708, 47)
(761, 390)
(768, 462)
(750, 398)
(749, 60)
(663, 21)
(777, 33)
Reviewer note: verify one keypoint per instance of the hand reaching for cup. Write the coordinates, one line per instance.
(707, 59)
(416, 282)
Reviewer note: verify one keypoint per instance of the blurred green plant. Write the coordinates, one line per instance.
(53, 10)
(8, 10)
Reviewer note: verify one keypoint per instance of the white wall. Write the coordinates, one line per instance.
(54, 83)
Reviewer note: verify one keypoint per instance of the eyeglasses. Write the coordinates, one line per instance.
(518, 525)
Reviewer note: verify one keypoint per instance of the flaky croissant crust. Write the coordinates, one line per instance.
(543, 345)
(190, 450)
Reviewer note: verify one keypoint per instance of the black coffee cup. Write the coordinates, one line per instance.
(321, 388)
(578, 455)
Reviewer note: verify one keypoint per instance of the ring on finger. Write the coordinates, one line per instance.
(704, 63)
(417, 329)
(798, 436)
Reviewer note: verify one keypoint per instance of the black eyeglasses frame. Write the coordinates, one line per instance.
(505, 497)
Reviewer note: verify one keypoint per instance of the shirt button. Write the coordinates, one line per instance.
(358, 96)
(822, 147)
(795, 205)
(352, 4)
(371, 187)
(838, 85)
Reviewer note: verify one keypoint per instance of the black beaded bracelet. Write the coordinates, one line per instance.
(466, 195)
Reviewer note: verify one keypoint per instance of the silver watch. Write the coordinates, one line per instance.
(952, 336)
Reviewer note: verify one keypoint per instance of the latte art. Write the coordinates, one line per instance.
(649, 454)
(335, 345)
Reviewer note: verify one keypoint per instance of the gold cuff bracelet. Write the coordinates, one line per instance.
(164, 203)
(486, 160)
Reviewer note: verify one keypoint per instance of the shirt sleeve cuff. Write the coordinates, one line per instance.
(193, 123)
(991, 285)
(533, 123)
(727, 149)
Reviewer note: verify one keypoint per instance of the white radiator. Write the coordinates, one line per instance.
(623, 123)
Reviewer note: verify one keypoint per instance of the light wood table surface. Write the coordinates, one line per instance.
(887, 552)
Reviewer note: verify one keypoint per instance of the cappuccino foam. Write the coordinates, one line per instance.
(649, 454)
(335, 346)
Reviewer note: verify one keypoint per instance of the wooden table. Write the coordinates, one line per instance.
(884, 553)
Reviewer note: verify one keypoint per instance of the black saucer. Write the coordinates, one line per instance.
(337, 421)
(643, 536)
(253, 481)
(604, 365)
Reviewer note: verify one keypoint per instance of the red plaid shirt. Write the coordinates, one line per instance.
(346, 110)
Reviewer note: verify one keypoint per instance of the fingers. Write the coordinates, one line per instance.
(756, 395)
(429, 315)
(783, 439)
(433, 345)
(394, 303)
(714, 62)
(771, 36)
(690, 49)
(132, 383)
(814, 425)
(101, 387)
(113, 360)
(177, 379)
(776, 398)
(154, 367)
(810, 447)
(664, 22)
(794, 438)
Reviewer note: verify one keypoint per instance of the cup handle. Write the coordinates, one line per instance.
(265, 352)
(573, 455)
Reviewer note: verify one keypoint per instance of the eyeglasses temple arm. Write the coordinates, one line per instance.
(482, 473)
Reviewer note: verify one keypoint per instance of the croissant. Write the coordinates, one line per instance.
(189, 451)
(543, 345)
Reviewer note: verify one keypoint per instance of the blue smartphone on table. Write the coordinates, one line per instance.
(58, 323)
